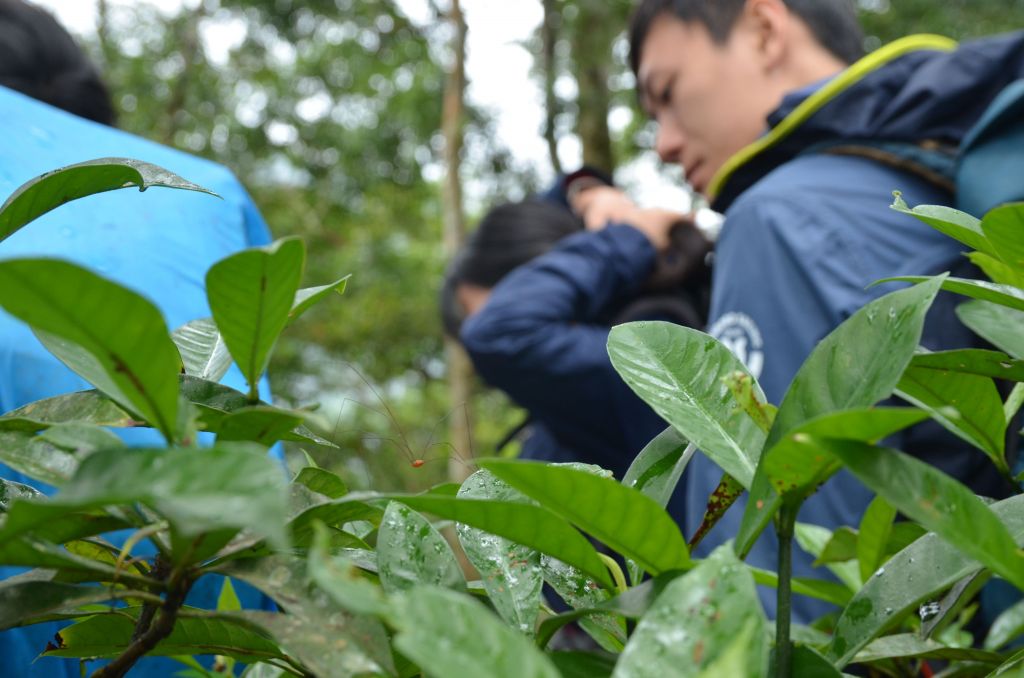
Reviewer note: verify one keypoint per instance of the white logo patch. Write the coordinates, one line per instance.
(740, 335)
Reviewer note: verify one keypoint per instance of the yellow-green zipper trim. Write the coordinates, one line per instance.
(816, 101)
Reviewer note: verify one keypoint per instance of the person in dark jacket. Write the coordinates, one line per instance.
(578, 411)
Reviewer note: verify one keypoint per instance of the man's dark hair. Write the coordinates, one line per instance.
(40, 59)
(833, 23)
(508, 236)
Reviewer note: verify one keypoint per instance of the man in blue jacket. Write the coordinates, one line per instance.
(159, 244)
(759, 102)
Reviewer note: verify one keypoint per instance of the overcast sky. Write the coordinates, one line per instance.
(497, 67)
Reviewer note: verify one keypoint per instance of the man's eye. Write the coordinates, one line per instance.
(665, 97)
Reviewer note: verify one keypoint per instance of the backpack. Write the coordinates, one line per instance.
(990, 162)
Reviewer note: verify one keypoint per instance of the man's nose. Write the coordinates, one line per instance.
(668, 142)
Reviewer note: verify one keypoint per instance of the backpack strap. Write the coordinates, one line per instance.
(929, 160)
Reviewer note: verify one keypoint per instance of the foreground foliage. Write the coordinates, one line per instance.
(366, 584)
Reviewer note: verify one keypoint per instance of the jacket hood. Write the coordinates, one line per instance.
(921, 91)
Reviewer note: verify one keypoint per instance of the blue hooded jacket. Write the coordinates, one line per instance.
(807, 229)
(159, 244)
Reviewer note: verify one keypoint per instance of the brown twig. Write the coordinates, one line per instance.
(150, 629)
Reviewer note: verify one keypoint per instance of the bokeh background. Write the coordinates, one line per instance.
(379, 130)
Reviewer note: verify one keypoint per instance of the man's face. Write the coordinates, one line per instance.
(708, 100)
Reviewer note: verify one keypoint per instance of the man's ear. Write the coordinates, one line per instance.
(766, 24)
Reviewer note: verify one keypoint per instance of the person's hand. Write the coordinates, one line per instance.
(600, 205)
(656, 225)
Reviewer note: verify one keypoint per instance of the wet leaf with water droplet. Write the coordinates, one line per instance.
(656, 359)
(450, 634)
(967, 405)
(917, 574)
(855, 366)
(696, 621)
(511, 572)
(656, 472)
(410, 552)
(624, 519)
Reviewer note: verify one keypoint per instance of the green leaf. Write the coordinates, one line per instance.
(228, 600)
(938, 502)
(317, 630)
(107, 635)
(1002, 227)
(53, 189)
(196, 490)
(251, 293)
(807, 663)
(658, 467)
(797, 465)
(308, 297)
(215, 401)
(656, 359)
(1000, 326)
(29, 454)
(531, 526)
(80, 440)
(322, 481)
(333, 514)
(966, 405)
(329, 645)
(996, 270)
(577, 664)
(202, 349)
(860, 362)
(345, 583)
(875, 527)
(11, 491)
(815, 539)
(696, 620)
(954, 223)
(972, 361)
(656, 472)
(84, 407)
(1006, 627)
(260, 424)
(475, 643)
(910, 646)
(840, 547)
(855, 366)
(1004, 295)
(411, 552)
(112, 337)
(580, 591)
(915, 575)
(25, 601)
(510, 572)
(1014, 664)
(27, 551)
(624, 519)
(736, 658)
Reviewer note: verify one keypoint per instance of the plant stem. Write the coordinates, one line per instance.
(613, 567)
(783, 647)
(149, 631)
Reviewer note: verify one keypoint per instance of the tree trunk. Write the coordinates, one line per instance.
(592, 37)
(460, 371)
(549, 38)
